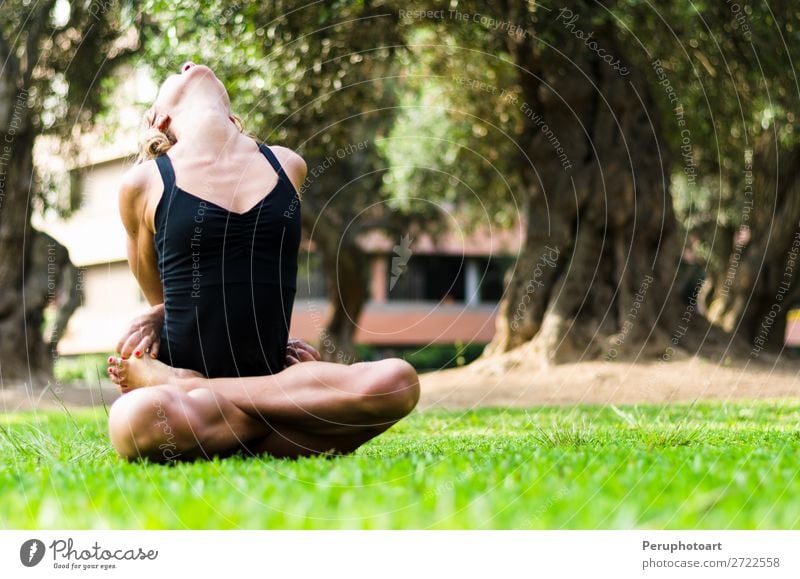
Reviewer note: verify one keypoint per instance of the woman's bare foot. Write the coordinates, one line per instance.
(136, 372)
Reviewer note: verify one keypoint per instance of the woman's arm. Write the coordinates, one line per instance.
(141, 249)
(144, 331)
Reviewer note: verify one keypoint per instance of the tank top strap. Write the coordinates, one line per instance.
(167, 173)
(273, 160)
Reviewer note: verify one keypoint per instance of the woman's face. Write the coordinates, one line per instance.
(196, 84)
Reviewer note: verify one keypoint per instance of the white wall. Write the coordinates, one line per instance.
(111, 299)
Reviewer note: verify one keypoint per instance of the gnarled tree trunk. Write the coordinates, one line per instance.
(347, 281)
(758, 282)
(596, 277)
(35, 49)
(23, 352)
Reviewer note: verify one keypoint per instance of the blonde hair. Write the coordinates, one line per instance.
(155, 143)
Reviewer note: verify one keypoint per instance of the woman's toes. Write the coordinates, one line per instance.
(113, 375)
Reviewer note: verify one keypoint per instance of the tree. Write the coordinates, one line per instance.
(743, 208)
(55, 57)
(600, 113)
(589, 171)
(599, 216)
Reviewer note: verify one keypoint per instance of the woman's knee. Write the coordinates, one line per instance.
(391, 390)
(150, 423)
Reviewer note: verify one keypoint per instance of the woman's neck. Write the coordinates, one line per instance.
(209, 129)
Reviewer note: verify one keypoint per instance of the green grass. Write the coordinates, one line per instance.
(701, 466)
(83, 369)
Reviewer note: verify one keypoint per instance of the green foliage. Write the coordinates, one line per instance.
(724, 85)
(455, 141)
(596, 468)
(430, 357)
(61, 53)
(84, 369)
(316, 78)
(59, 60)
(729, 68)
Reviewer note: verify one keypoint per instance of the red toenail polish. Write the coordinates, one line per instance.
(138, 354)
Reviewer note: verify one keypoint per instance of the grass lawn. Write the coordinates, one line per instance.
(730, 465)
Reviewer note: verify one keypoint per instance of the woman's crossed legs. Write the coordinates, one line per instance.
(308, 408)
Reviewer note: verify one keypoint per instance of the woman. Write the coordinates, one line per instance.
(213, 223)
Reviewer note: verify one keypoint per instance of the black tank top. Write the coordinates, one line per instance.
(229, 278)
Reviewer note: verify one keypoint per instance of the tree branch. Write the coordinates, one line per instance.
(5, 50)
(33, 40)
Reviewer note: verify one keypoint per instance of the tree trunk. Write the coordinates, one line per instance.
(595, 277)
(347, 282)
(759, 281)
(23, 352)
(338, 189)
(35, 270)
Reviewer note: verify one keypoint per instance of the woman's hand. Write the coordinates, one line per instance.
(144, 332)
(298, 351)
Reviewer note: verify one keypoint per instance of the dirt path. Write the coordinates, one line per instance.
(19, 399)
(609, 383)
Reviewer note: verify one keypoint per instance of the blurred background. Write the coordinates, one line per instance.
(513, 186)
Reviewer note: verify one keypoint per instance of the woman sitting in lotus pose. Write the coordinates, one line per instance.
(213, 223)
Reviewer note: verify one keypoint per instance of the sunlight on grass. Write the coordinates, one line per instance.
(683, 466)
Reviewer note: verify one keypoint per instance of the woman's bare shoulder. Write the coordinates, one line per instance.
(136, 187)
(287, 156)
(138, 177)
(292, 163)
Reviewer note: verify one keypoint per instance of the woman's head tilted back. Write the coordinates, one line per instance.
(182, 100)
